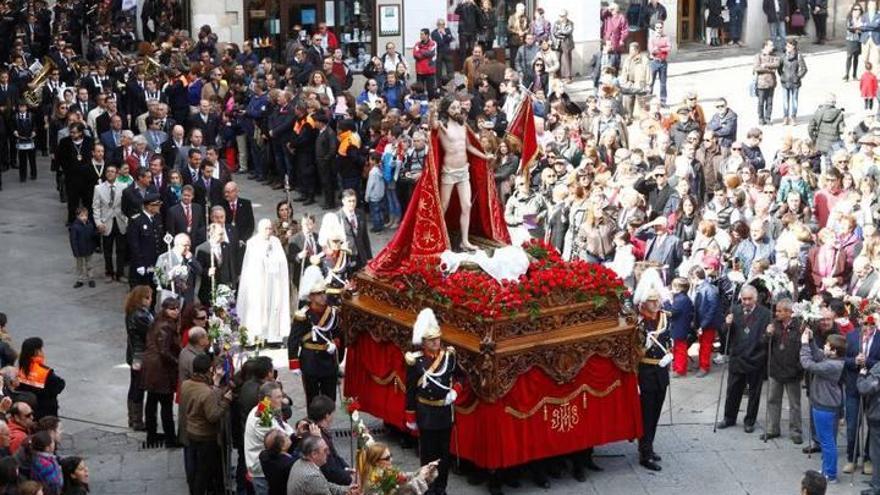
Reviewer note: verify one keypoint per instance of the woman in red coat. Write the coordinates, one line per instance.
(160, 372)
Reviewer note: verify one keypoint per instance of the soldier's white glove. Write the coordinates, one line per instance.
(331, 348)
(665, 360)
(296, 372)
(412, 427)
(450, 397)
(141, 270)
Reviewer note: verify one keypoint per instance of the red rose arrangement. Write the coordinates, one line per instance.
(550, 281)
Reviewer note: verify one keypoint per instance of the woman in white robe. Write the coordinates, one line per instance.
(263, 303)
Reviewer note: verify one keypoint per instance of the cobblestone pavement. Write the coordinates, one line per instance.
(84, 335)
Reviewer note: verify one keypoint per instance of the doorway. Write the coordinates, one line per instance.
(687, 21)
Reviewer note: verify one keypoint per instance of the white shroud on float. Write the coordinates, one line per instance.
(263, 302)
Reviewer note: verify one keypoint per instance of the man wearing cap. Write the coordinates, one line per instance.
(431, 392)
(314, 346)
(653, 374)
(145, 233)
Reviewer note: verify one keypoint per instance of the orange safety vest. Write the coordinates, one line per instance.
(38, 374)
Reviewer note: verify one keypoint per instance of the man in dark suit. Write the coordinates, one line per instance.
(135, 99)
(74, 154)
(355, 224)
(8, 97)
(133, 195)
(112, 138)
(662, 247)
(225, 268)
(171, 147)
(208, 189)
(239, 212)
(302, 246)
(145, 244)
(206, 121)
(747, 349)
(656, 190)
(784, 371)
(326, 145)
(187, 217)
(862, 352)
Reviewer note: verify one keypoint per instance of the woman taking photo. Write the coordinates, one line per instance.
(160, 372)
(138, 320)
(377, 464)
(506, 164)
(39, 379)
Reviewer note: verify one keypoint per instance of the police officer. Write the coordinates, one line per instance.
(653, 374)
(431, 391)
(145, 244)
(313, 347)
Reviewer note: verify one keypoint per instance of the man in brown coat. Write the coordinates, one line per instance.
(711, 156)
(766, 66)
(202, 407)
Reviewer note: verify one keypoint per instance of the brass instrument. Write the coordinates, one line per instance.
(152, 67)
(34, 96)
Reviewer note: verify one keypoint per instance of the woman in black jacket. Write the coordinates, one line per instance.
(537, 78)
(39, 379)
(138, 319)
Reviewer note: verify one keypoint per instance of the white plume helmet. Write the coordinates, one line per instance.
(312, 282)
(331, 228)
(426, 327)
(650, 285)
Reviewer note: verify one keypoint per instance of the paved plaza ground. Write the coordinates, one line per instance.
(85, 338)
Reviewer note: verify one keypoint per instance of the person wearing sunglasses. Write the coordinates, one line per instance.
(723, 123)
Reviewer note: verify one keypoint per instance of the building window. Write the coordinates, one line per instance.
(355, 30)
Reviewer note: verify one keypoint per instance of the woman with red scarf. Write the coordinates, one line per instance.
(39, 379)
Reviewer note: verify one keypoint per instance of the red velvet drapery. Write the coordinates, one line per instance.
(537, 419)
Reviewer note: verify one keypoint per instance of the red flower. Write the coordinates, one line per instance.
(870, 320)
(353, 406)
(401, 478)
(261, 407)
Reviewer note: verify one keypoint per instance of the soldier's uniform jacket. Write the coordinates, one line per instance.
(428, 381)
(651, 375)
(337, 267)
(310, 339)
(145, 240)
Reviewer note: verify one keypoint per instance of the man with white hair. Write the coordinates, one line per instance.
(865, 282)
(747, 351)
(177, 270)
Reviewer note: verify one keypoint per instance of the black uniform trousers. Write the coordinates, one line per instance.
(27, 158)
(653, 382)
(327, 175)
(433, 445)
(315, 386)
(107, 243)
(736, 385)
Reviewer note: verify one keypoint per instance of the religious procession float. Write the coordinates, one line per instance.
(548, 365)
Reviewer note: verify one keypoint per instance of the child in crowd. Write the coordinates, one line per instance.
(826, 396)
(868, 86)
(375, 194)
(680, 319)
(82, 243)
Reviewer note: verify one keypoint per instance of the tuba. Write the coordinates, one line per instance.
(152, 67)
(34, 96)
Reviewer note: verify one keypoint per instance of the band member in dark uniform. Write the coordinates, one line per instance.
(145, 233)
(431, 391)
(314, 345)
(337, 263)
(653, 369)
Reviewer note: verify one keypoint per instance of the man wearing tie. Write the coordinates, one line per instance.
(355, 224)
(209, 190)
(8, 97)
(224, 269)
(302, 246)
(662, 247)
(239, 212)
(865, 282)
(747, 323)
(862, 352)
(133, 196)
(187, 217)
(111, 223)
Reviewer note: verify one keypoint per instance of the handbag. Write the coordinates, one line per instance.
(798, 21)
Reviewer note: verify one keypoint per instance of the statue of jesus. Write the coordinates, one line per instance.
(454, 172)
